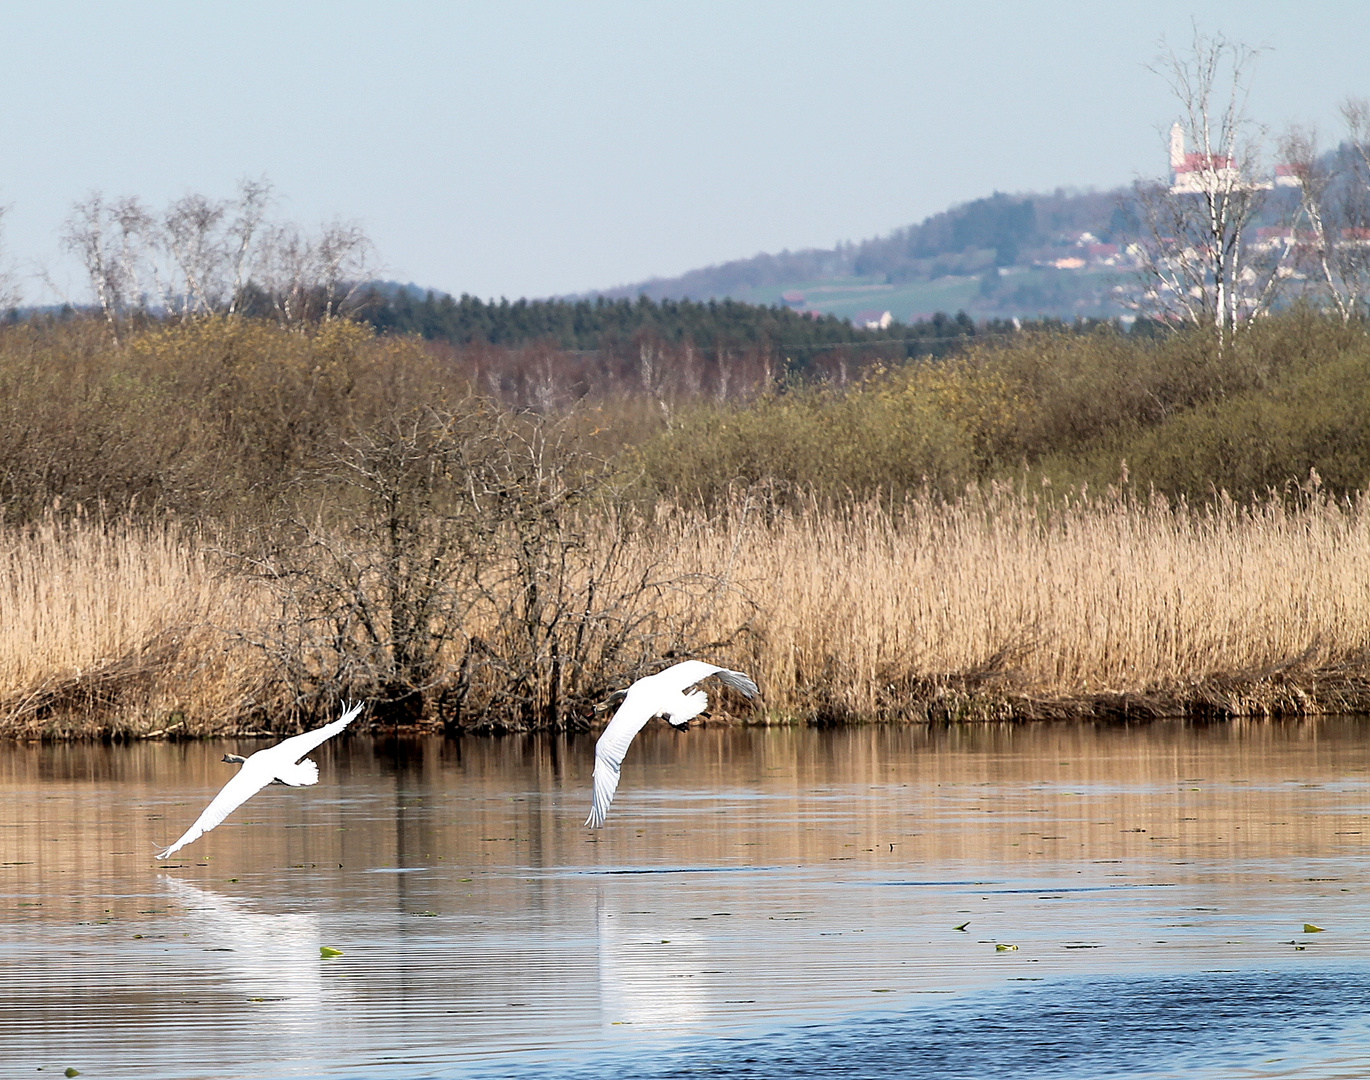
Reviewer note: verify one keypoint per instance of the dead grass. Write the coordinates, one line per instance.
(116, 629)
(996, 606)
(1000, 606)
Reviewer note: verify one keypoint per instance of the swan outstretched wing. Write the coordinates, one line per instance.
(297, 746)
(646, 698)
(685, 674)
(613, 744)
(231, 796)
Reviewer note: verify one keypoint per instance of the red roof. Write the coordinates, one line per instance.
(1204, 163)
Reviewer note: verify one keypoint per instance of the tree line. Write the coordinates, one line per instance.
(605, 323)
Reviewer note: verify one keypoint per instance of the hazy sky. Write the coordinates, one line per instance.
(515, 149)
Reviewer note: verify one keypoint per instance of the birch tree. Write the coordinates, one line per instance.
(202, 255)
(89, 234)
(1198, 260)
(254, 196)
(313, 277)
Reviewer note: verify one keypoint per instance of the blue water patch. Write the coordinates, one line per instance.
(1275, 1023)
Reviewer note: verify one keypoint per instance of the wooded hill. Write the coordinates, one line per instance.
(1001, 230)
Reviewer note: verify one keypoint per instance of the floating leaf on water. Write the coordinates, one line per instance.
(1309, 928)
(1001, 947)
(69, 1071)
(962, 926)
(328, 953)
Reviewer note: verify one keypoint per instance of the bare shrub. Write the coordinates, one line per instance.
(451, 567)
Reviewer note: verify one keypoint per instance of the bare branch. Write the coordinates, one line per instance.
(1201, 265)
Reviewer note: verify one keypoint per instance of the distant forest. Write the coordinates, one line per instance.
(609, 324)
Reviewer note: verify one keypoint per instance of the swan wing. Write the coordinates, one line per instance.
(739, 681)
(295, 747)
(232, 795)
(632, 717)
(682, 676)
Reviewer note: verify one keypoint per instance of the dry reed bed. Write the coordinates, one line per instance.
(1002, 604)
(994, 606)
(116, 627)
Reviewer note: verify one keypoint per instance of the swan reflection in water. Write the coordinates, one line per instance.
(651, 976)
(264, 957)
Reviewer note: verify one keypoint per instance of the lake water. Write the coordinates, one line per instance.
(971, 901)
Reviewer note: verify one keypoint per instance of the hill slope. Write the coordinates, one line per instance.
(1060, 254)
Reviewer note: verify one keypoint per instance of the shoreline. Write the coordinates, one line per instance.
(1276, 698)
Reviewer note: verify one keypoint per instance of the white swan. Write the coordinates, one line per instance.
(662, 694)
(276, 764)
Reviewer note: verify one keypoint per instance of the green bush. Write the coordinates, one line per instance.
(1289, 396)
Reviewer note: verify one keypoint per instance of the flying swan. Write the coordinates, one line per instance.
(279, 764)
(662, 694)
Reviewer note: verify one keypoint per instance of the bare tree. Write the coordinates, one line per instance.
(86, 234)
(313, 277)
(343, 262)
(1331, 232)
(1200, 265)
(203, 255)
(254, 196)
(9, 287)
(192, 235)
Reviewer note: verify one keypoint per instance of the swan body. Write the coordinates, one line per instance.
(663, 694)
(279, 764)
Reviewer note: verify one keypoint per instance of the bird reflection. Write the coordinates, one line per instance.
(274, 957)
(651, 975)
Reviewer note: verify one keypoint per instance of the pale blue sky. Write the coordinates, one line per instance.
(515, 149)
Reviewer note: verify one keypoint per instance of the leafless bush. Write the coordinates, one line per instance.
(452, 568)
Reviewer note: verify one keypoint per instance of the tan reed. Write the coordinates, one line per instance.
(997, 605)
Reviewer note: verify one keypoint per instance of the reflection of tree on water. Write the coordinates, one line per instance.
(651, 973)
(274, 957)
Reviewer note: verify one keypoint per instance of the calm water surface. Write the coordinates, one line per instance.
(761, 903)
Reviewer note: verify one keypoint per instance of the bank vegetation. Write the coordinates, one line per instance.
(226, 525)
